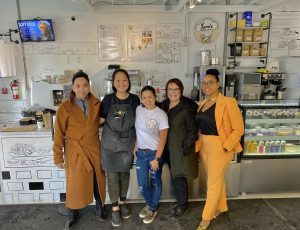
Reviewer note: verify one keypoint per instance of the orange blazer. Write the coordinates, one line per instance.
(229, 123)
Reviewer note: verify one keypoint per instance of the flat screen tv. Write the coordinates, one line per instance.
(38, 30)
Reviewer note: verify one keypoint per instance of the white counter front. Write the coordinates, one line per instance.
(28, 174)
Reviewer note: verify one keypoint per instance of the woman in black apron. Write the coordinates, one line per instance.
(117, 142)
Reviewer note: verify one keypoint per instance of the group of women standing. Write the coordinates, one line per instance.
(172, 132)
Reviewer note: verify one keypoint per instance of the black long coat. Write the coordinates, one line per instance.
(182, 135)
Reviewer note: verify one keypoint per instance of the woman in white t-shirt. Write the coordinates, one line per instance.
(151, 126)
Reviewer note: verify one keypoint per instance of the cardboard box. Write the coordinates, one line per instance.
(239, 35)
(248, 35)
(245, 50)
(254, 50)
(257, 35)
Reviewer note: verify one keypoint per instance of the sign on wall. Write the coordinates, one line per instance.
(168, 43)
(140, 44)
(206, 30)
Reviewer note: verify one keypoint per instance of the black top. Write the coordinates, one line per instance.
(207, 121)
(132, 99)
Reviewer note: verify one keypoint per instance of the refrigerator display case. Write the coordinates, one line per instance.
(271, 146)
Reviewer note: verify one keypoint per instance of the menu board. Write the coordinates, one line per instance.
(111, 45)
(140, 43)
(168, 43)
(285, 37)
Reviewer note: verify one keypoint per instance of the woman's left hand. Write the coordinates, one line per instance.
(154, 165)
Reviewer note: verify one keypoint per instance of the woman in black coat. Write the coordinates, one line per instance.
(180, 147)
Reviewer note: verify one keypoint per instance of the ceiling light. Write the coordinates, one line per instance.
(199, 1)
(192, 5)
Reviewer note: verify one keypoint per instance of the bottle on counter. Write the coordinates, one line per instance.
(267, 147)
(283, 143)
(278, 147)
(261, 147)
(273, 147)
(254, 147)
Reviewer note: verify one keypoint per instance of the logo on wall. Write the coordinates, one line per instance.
(206, 30)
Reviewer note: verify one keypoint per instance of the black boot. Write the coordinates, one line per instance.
(100, 211)
(71, 218)
(178, 213)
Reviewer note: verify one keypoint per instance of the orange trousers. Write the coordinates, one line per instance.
(215, 161)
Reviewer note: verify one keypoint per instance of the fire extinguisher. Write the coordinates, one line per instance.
(14, 85)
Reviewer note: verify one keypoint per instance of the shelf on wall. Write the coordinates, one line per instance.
(249, 43)
(251, 28)
(231, 57)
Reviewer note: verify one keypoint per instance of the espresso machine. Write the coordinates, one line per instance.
(273, 86)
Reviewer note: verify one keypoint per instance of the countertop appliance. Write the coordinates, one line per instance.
(248, 86)
(273, 83)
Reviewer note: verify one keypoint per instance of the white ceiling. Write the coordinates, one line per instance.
(180, 5)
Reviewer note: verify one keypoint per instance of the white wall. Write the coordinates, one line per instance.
(84, 30)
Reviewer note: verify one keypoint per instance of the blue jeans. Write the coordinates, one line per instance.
(150, 191)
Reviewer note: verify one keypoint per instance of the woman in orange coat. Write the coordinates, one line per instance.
(221, 127)
(77, 126)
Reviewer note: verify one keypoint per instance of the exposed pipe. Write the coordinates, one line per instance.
(23, 51)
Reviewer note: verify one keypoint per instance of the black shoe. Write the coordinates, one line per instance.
(125, 211)
(179, 213)
(71, 219)
(173, 209)
(116, 219)
(100, 212)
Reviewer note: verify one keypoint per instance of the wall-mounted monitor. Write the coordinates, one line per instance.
(37, 30)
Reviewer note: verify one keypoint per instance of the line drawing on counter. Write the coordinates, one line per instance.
(21, 155)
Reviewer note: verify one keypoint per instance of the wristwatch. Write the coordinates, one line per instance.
(157, 158)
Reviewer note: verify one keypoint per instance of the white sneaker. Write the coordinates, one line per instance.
(144, 212)
(149, 217)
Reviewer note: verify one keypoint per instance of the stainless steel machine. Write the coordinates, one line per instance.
(248, 86)
(273, 86)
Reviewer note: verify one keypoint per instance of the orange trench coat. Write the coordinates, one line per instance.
(81, 135)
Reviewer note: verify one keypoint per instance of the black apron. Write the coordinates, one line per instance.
(118, 138)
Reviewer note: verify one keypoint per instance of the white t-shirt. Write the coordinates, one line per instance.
(148, 123)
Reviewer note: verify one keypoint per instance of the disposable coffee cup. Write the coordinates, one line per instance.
(40, 124)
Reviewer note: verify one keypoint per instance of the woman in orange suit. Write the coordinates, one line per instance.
(221, 127)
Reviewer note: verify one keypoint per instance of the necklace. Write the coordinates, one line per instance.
(212, 99)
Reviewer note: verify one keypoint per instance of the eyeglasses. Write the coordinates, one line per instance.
(170, 90)
(208, 83)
